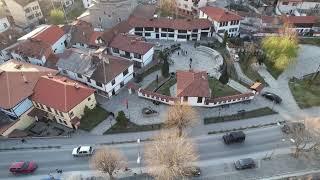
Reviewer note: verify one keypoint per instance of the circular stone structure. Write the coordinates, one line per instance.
(201, 58)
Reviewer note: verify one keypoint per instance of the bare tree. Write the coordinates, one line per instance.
(306, 139)
(108, 160)
(170, 156)
(180, 116)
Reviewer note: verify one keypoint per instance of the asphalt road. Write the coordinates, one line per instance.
(213, 154)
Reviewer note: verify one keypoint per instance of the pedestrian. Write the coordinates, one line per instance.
(186, 52)
(111, 114)
(190, 65)
(23, 140)
(178, 53)
(190, 60)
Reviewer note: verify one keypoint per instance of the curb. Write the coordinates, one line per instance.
(25, 148)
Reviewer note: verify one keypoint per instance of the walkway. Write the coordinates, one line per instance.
(103, 126)
(237, 86)
(241, 75)
(149, 79)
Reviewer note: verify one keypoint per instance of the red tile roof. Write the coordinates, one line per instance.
(229, 98)
(131, 43)
(50, 34)
(83, 32)
(181, 24)
(32, 48)
(219, 14)
(60, 93)
(109, 34)
(94, 37)
(17, 81)
(9, 37)
(192, 84)
(300, 19)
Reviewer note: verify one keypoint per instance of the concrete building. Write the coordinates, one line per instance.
(107, 74)
(8, 38)
(297, 6)
(302, 24)
(132, 47)
(17, 81)
(190, 7)
(222, 20)
(36, 46)
(171, 29)
(108, 13)
(62, 100)
(26, 13)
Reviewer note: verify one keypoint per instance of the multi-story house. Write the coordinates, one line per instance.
(4, 23)
(107, 74)
(223, 20)
(26, 14)
(302, 24)
(171, 29)
(190, 7)
(297, 6)
(62, 100)
(36, 46)
(8, 38)
(82, 35)
(17, 81)
(132, 47)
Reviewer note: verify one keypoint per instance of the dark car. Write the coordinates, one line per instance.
(294, 126)
(272, 97)
(246, 163)
(234, 137)
(194, 171)
(23, 167)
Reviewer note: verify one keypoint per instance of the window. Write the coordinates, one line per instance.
(71, 114)
(113, 82)
(89, 99)
(182, 31)
(147, 34)
(171, 35)
(148, 28)
(199, 100)
(182, 36)
(157, 29)
(115, 50)
(125, 72)
(163, 35)
(65, 122)
(138, 33)
(137, 56)
(61, 114)
(294, 4)
(285, 3)
(27, 10)
(88, 80)
(98, 84)
(31, 17)
(79, 75)
(56, 112)
(185, 99)
(49, 109)
(138, 29)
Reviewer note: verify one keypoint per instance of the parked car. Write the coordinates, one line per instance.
(290, 127)
(246, 163)
(272, 97)
(82, 151)
(234, 137)
(194, 171)
(23, 167)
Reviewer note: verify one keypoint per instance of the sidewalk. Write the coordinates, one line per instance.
(103, 126)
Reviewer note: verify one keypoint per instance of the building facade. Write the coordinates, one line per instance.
(26, 14)
(66, 103)
(294, 6)
(4, 24)
(171, 29)
(222, 20)
(190, 7)
(107, 74)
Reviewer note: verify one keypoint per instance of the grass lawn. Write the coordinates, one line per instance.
(247, 70)
(306, 92)
(165, 88)
(248, 114)
(152, 69)
(93, 118)
(132, 127)
(311, 41)
(218, 89)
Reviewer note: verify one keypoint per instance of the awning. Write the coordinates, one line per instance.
(35, 112)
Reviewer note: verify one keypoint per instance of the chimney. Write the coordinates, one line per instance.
(76, 85)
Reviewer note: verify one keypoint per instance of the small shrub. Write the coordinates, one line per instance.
(122, 119)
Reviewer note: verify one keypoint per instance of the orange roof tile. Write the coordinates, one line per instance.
(60, 93)
(192, 84)
(219, 14)
(49, 35)
(17, 81)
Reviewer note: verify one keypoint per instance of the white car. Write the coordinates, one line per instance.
(82, 151)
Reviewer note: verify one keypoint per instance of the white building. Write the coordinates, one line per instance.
(4, 24)
(190, 7)
(107, 74)
(222, 20)
(171, 29)
(87, 3)
(302, 6)
(301, 24)
(36, 46)
(132, 47)
(26, 14)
